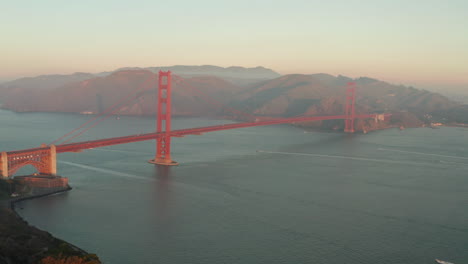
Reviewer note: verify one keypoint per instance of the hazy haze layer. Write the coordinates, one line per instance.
(413, 42)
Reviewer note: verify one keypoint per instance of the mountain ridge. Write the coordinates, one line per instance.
(324, 94)
(283, 96)
(233, 73)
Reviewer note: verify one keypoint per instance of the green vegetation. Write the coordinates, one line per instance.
(22, 243)
(66, 254)
(454, 115)
(70, 260)
(5, 189)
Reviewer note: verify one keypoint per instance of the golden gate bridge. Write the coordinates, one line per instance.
(44, 158)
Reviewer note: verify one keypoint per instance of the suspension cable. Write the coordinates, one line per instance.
(107, 112)
(125, 100)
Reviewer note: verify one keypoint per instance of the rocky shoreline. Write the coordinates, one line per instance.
(21, 243)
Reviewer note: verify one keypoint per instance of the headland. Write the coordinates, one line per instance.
(22, 243)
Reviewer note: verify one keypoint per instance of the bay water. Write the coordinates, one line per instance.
(275, 194)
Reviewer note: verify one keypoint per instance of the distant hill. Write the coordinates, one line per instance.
(234, 74)
(96, 94)
(284, 96)
(45, 82)
(323, 94)
(457, 115)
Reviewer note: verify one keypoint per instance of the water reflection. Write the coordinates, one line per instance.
(162, 198)
(350, 145)
(46, 204)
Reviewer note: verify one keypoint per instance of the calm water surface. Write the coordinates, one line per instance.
(256, 195)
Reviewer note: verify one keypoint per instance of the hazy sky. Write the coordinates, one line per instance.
(402, 41)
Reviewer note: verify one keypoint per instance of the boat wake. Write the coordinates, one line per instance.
(442, 261)
(123, 151)
(107, 171)
(347, 157)
(425, 154)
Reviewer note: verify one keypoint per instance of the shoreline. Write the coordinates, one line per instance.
(54, 247)
(456, 125)
(11, 202)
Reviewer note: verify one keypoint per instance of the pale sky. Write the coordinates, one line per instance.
(415, 42)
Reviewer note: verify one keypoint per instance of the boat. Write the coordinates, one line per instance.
(442, 262)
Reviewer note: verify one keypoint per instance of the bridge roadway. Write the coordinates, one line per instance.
(78, 146)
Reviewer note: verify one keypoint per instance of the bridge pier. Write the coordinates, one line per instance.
(163, 152)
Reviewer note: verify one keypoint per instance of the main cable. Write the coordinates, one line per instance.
(108, 112)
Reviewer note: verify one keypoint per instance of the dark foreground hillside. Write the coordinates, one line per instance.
(21, 243)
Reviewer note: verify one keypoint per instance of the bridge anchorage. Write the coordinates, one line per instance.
(44, 159)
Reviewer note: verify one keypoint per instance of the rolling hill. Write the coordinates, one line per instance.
(99, 93)
(203, 95)
(323, 94)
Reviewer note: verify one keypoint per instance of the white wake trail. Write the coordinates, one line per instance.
(122, 151)
(107, 171)
(348, 157)
(425, 154)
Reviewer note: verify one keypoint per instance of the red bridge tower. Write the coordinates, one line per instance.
(163, 121)
(349, 107)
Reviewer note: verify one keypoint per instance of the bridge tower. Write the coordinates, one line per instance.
(4, 165)
(349, 107)
(163, 121)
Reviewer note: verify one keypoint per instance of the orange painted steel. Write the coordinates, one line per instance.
(39, 157)
(163, 121)
(75, 147)
(349, 107)
(44, 159)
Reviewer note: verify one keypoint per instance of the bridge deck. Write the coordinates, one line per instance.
(74, 147)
